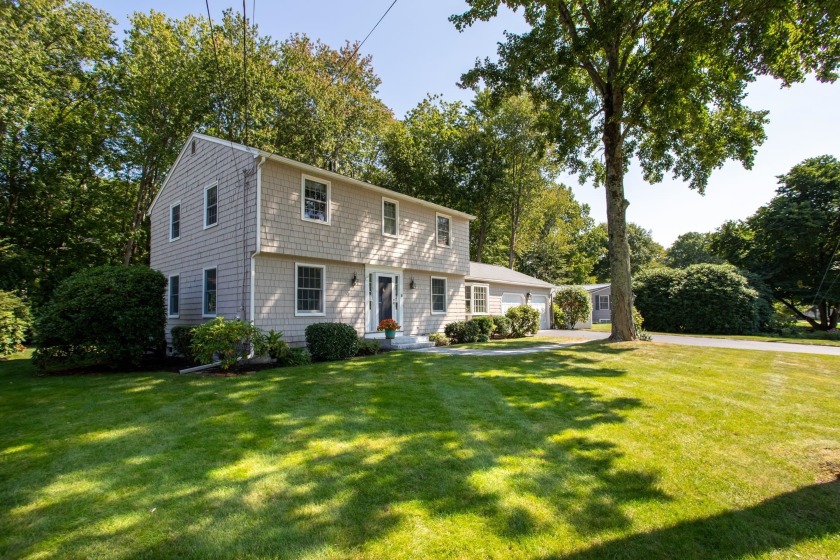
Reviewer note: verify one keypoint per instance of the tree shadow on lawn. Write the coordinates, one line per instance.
(293, 461)
(811, 512)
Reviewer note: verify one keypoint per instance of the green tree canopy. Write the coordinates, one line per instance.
(691, 248)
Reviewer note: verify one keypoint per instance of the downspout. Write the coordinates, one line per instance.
(258, 234)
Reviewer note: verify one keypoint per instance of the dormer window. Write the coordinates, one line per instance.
(315, 200)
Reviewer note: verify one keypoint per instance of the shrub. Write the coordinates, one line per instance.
(270, 343)
(109, 315)
(456, 331)
(229, 341)
(15, 322)
(572, 305)
(656, 292)
(641, 333)
(331, 341)
(502, 326)
(439, 339)
(482, 338)
(524, 320)
(294, 357)
(471, 331)
(486, 325)
(182, 337)
(368, 347)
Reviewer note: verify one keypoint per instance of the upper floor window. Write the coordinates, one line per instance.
(315, 200)
(438, 295)
(211, 206)
(604, 302)
(209, 305)
(309, 289)
(444, 223)
(390, 217)
(174, 293)
(175, 221)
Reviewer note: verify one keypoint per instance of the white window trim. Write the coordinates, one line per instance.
(397, 204)
(445, 295)
(204, 292)
(169, 296)
(322, 313)
(204, 207)
(180, 220)
(303, 178)
(437, 230)
(486, 299)
(600, 308)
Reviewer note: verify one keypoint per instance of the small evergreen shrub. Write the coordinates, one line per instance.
(182, 337)
(226, 340)
(472, 330)
(456, 331)
(270, 343)
(524, 320)
(486, 325)
(15, 322)
(482, 338)
(331, 341)
(572, 305)
(641, 333)
(502, 326)
(294, 357)
(368, 347)
(110, 315)
(439, 339)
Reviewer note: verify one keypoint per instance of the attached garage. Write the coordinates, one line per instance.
(508, 288)
(540, 303)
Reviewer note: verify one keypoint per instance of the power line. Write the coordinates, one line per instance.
(359, 46)
(245, 73)
(827, 268)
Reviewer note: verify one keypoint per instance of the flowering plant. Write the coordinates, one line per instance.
(388, 325)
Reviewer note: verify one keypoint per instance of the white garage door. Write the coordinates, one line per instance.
(511, 300)
(541, 303)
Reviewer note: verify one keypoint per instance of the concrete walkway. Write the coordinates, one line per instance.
(710, 342)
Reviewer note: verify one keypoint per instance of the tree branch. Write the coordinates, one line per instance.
(586, 62)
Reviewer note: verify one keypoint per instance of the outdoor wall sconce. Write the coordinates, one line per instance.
(411, 284)
(354, 281)
(527, 297)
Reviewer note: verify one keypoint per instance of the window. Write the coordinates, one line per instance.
(390, 217)
(443, 223)
(175, 221)
(174, 292)
(211, 207)
(476, 299)
(438, 295)
(604, 302)
(209, 305)
(309, 290)
(315, 196)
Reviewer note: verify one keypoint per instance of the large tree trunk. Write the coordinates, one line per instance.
(621, 309)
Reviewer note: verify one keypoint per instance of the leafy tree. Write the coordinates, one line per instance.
(691, 248)
(662, 80)
(644, 251)
(572, 305)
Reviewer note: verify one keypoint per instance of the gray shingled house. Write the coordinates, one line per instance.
(240, 232)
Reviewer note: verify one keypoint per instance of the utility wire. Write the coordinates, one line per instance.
(359, 46)
(827, 268)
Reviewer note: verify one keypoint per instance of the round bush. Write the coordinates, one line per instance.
(486, 325)
(331, 341)
(572, 306)
(472, 330)
(108, 315)
(502, 326)
(656, 293)
(456, 331)
(524, 320)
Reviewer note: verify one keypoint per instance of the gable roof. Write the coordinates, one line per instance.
(595, 287)
(502, 275)
(309, 169)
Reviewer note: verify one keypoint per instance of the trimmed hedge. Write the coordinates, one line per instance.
(486, 325)
(572, 305)
(329, 342)
(456, 331)
(524, 320)
(108, 315)
(15, 322)
(502, 326)
(700, 299)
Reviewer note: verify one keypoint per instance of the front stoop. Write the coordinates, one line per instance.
(407, 343)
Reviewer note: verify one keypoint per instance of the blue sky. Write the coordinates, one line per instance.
(417, 51)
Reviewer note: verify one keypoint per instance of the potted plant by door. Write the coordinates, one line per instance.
(389, 326)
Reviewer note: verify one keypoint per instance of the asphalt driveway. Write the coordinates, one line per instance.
(710, 342)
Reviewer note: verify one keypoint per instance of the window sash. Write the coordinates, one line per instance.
(175, 222)
(443, 229)
(316, 200)
(468, 299)
(211, 206)
(438, 295)
(310, 290)
(174, 293)
(209, 305)
(603, 302)
(389, 217)
(479, 299)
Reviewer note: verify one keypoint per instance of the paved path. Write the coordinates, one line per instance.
(711, 342)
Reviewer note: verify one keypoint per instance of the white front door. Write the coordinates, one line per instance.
(384, 298)
(540, 303)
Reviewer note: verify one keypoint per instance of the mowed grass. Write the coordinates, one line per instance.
(803, 335)
(593, 451)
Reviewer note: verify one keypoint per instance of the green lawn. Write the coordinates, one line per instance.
(803, 337)
(593, 451)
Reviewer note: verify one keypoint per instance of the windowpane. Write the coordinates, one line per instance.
(210, 291)
(480, 299)
(310, 289)
(211, 206)
(315, 200)
(389, 218)
(468, 299)
(175, 222)
(174, 292)
(438, 294)
(443, 230)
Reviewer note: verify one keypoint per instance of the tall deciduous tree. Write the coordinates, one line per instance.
(663, 80)
(644, 251)
(691, 248)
